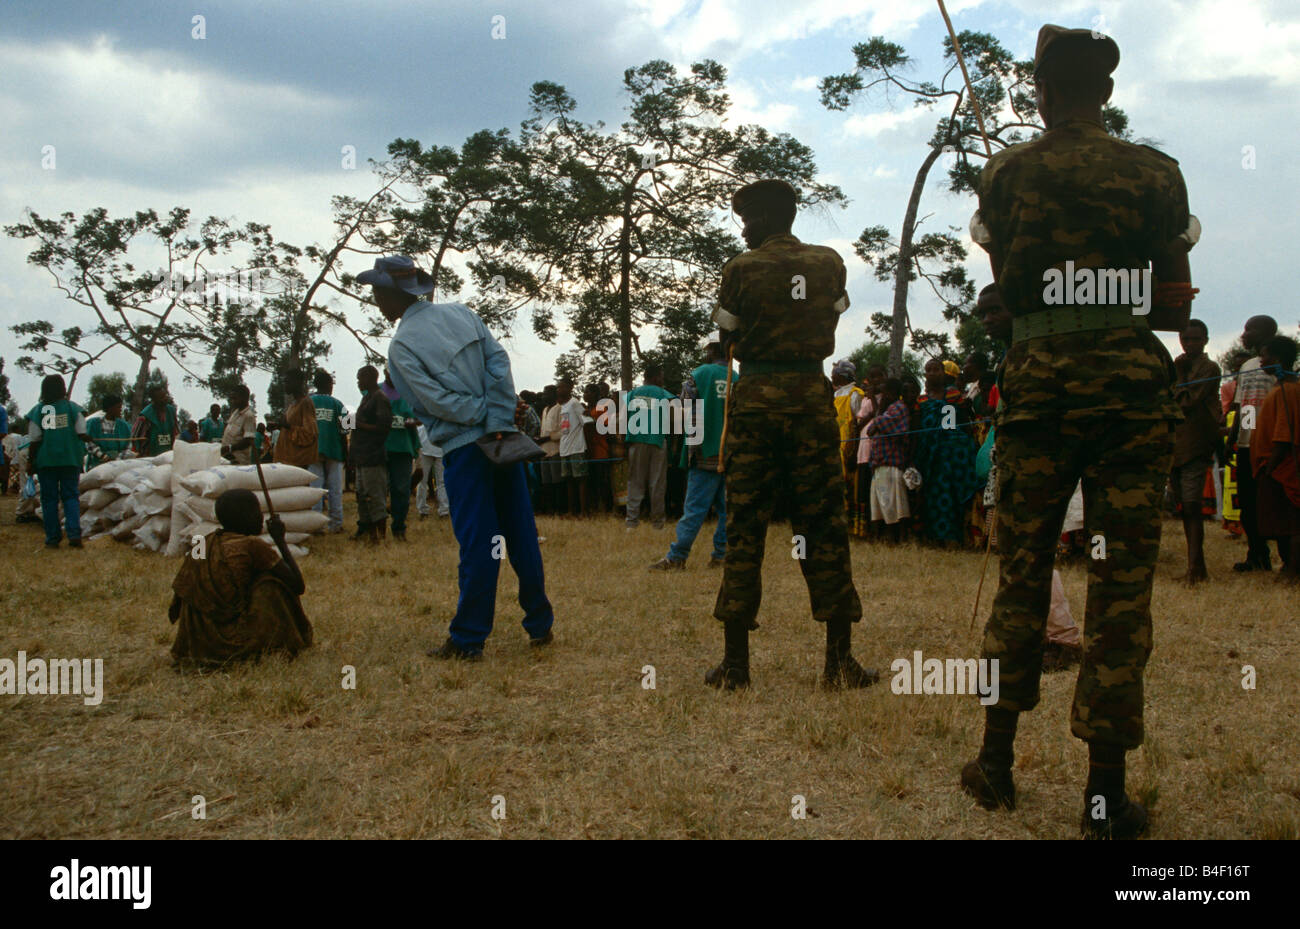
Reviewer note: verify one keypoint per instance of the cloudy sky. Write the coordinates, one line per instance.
(248, 122)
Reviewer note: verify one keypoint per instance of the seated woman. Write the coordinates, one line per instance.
(240, 600)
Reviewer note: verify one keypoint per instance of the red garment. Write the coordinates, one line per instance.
(1278, 421)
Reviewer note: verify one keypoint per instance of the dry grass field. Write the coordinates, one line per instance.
(571, 739)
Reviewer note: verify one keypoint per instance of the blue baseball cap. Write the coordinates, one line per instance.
(397, 272)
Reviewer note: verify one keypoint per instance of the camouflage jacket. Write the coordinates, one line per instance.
(1078, 194)
(783, 299)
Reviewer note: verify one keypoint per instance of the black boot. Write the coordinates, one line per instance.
(363, 530)
(1108, 813)
(988, 778)
(733, 672)
(841, 669)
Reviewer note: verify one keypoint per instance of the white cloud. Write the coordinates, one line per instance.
(868, 125)
(743, 27)
(746, 108)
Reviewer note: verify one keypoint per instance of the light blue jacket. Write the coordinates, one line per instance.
(456, 377)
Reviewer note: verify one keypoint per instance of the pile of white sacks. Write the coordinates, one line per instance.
(162, 503)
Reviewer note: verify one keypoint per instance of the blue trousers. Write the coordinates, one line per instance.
(704, 489)
(490, 511)
(329, 474)
(399, 489)
(60, 484)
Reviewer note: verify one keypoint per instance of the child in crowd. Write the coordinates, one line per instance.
(887, 429)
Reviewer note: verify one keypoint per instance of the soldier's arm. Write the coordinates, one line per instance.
(1180, 231)
(1172, 267)
(727, 314)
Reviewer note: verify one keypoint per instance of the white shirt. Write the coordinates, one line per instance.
(855, 397)
(572, 440)
(1253, 385)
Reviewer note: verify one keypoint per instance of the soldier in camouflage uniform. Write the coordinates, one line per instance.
(778, 306)
(1086, 395)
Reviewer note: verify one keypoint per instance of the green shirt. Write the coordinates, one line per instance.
(57, 424)
(161, 430)
(711, 387)
(210, 429)
(402, 441)
(646, 413)
(109, 436)
(329, 426)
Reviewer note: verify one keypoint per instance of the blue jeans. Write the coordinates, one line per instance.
(60, 484)
(703, 490)
(329, 474)
(399, 488)
(490, 506)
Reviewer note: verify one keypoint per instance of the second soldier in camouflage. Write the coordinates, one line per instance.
(778, 306)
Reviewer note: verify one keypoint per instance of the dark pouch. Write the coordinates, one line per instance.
(508, 448)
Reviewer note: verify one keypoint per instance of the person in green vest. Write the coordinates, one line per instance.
(403, 446)
(211, 426)
(156, 425)
(110, 431)
(56, 428)
(647, 459)
(333, 448)
(706, 392)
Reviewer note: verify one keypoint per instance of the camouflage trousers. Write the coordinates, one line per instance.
(1123, 465)
(797, 457)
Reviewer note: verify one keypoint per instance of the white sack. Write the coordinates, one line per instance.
(154, 532)
(122, 531)
(284, 499)
(151, 502)
(102, 474)
(187, 458)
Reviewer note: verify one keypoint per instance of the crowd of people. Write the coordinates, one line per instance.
(916, 456)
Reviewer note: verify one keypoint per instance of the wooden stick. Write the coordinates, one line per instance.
(956, 47)
(261, 478)
(726, 410)
(988, 548)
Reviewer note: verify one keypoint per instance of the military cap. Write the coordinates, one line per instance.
(1061, 51)
(769, 189)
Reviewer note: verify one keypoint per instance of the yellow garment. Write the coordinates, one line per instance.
(848, 427)
(1231, 511)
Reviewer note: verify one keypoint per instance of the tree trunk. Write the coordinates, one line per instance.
(625, 293)
(141, 379)
(901, 272)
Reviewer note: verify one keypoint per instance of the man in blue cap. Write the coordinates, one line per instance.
(456, 377)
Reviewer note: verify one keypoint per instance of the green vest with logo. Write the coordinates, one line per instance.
(60, 446)
(160, 430)
(402, 441)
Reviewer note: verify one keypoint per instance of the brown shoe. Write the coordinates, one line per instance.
(668, 564)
